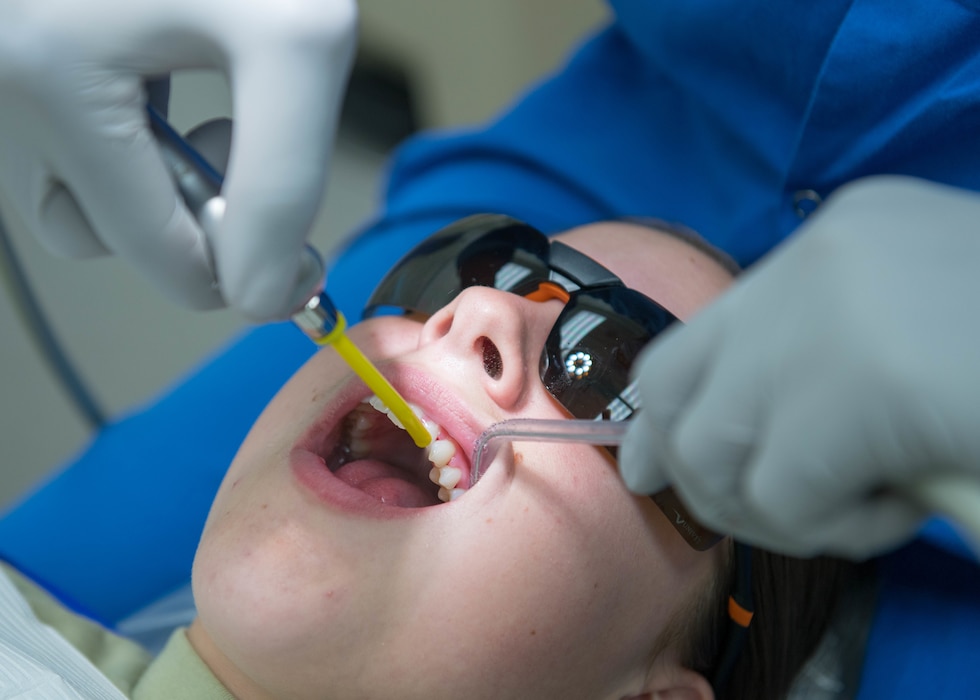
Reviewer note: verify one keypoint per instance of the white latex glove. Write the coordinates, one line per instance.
(79, 168)
(841, 369)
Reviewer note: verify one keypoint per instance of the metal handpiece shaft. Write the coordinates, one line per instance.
(197, 180)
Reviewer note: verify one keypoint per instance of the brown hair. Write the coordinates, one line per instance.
(793, 600)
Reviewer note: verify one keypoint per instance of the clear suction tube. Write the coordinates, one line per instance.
(593, 432)
(953, 496)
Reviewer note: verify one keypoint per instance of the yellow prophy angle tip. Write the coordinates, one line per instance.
(199, 184)
(376, 382)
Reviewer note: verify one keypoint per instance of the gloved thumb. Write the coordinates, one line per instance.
(278, 168)
(642, 458)
(212, 140)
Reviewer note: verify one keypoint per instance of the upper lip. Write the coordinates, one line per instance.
(438, 402)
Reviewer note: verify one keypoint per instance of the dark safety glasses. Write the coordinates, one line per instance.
(586, 361)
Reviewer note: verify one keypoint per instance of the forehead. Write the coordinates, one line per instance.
(669, 270)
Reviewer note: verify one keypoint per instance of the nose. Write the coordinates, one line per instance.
(496, 338)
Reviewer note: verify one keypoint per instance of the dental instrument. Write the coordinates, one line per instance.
(954, 496)
(199, 184)
(591, 432)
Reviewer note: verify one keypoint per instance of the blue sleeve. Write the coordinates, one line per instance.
(924, 640)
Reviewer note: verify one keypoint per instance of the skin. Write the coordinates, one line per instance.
(541, 581)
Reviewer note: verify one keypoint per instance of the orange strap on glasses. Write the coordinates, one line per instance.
(740, 616)
(547, 291)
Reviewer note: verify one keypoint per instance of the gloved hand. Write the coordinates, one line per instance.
(81, 171)
(840, 370)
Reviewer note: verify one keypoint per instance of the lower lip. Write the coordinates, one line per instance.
(312, 474)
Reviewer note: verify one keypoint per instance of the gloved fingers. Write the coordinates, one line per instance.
(123, 189)
(668, 375)
(713, 443)
(641, 458)
(692, 394)
(63, 229)
(870, 526)
(212, 140)
(815, 453)
(857, 529)
(277, 172)
(42, 205)
(816, 482)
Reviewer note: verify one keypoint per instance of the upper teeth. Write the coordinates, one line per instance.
(439, 452)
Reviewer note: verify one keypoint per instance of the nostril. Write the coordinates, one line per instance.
(493, 364)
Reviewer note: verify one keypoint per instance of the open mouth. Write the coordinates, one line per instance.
(370, 451)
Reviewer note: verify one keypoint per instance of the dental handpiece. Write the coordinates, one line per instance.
(199, 184)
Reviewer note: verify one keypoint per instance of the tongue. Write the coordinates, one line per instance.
(389, 484)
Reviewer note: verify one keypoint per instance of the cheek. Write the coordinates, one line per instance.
(271, 591)
(562, 585)
(296, 406)
(556, 578)
(248, 559)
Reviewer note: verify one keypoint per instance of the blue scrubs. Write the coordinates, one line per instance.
(720, 114)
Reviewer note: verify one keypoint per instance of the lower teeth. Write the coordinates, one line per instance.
(447, 495)
(439, 452)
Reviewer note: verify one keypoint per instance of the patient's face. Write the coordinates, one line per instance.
(546, 579)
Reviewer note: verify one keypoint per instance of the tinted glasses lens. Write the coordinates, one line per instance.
(483, 250)
(590, 350)
(592, 347)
